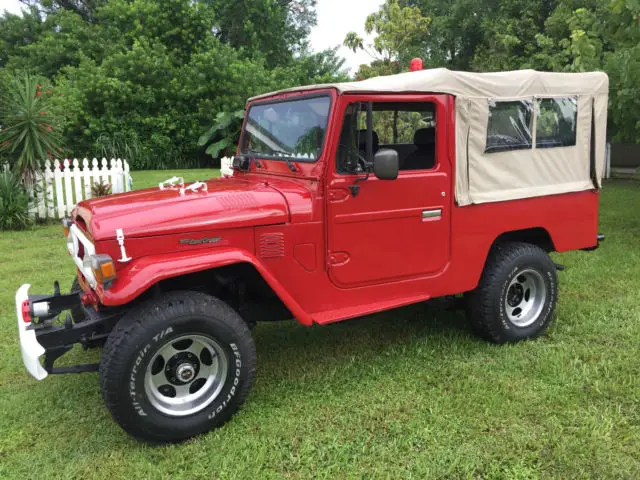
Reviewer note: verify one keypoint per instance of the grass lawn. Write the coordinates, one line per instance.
(405, 394)
(151, 178)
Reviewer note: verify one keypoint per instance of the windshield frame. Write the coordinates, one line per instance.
(292, 98)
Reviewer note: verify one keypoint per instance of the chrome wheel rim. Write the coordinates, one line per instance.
(525, 298)
(185, 375)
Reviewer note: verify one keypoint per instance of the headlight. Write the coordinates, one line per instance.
(102, 267)
(72, 245)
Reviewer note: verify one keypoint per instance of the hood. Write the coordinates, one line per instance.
(227, 203)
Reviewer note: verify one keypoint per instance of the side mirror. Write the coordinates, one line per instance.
(386, 164)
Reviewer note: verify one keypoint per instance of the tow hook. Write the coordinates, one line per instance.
(559, 267)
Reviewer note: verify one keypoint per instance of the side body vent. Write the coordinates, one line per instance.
(271, 245)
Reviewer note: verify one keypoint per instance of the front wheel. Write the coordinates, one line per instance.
(517, 294)
(177, 367)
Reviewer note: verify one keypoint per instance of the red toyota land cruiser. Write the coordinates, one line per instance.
(345, 199)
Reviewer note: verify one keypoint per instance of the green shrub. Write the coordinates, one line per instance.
(223, 136)
(125, 145)
(14, 203)
(100, 189)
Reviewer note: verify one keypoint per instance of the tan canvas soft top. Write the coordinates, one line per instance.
(506, 175)
(517, 83)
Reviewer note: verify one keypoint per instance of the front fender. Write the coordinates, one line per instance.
(145, 272)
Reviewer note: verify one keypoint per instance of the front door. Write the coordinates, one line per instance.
(391, 229)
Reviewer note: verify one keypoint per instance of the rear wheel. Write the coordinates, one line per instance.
(516, 296)
(189, 362)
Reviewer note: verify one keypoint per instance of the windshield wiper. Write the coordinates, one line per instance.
(284, 155)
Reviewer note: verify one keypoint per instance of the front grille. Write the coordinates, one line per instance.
(80, 247)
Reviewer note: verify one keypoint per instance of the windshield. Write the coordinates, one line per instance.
(292, 129)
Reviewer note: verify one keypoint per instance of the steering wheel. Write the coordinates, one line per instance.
(362, 162)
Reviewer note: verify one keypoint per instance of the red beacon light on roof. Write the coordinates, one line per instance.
(415, 65)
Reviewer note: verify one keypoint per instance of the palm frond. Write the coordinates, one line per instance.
(31, 132)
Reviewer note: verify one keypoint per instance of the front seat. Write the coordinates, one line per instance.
(424, 156)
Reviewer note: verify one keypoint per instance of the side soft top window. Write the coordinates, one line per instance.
(556, 120)
(509, 126)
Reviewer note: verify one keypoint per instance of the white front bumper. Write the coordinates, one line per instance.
(31, 349)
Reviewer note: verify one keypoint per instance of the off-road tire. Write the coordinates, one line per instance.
(486, 306)
(150, 327)
(77, 313)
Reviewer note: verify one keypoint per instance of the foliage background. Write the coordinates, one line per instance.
(148, 78)
(492, 35)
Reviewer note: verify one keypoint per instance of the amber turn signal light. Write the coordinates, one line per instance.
(66, 226)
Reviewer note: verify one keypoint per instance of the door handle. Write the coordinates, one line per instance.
(436, 212)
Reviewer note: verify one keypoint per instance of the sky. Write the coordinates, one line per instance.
(12, 6)
(335, 19)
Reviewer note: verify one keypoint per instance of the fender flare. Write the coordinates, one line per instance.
(145, 272)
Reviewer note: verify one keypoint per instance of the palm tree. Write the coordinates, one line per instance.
(29, 131)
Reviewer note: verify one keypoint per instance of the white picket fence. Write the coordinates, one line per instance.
(70, 182)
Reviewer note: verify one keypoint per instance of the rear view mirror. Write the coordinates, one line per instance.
(386, 164)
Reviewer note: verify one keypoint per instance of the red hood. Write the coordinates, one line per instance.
(228, 203)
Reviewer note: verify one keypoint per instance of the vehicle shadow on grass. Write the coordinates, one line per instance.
(306, 351)
(291, 358)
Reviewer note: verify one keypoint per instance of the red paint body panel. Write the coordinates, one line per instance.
(147, 271)
(239, 238)
(228, 203)
(328, 255)
(376, 232)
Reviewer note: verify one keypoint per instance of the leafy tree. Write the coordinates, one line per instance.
(552, 35)
(147, 78)
(624, 100)
(62, 39)
(180, 26)
(319, 67)
(276, 29)
(17, 31)
(85, 9)
(397, 30)
(455, 31)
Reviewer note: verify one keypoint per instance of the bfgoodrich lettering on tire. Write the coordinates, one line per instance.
(177, 367)
(517, 294)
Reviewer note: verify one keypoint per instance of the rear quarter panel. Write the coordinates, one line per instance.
(571, 220)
